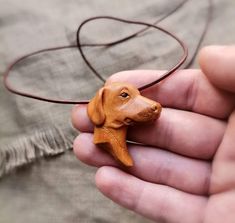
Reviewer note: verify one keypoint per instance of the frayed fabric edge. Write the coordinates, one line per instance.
(43, 143)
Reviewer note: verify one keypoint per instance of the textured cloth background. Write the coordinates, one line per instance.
(61, 188)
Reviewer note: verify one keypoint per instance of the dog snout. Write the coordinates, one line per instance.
(147, 110)
(149, 106)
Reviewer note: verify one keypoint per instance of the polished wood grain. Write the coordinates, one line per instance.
(112, 110)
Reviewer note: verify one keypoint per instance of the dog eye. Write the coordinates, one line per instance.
(124, 95)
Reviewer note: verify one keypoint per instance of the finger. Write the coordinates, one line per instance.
(80, 119)
(185, 89)
(152, 165)
(217, 62)
(183, 132)
(221, 207)
(186, 133)
(223, 178)
(87, 152)
(157, 202)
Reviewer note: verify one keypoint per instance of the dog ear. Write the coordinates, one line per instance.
(95, 108)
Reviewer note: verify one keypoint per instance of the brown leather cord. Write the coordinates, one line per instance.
(25, 94)
(173, 69)
(80, 46)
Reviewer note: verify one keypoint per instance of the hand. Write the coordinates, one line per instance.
(188, 173)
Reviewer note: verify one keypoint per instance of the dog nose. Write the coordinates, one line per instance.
(154, 107)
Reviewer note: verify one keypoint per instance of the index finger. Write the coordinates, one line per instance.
(186, 90)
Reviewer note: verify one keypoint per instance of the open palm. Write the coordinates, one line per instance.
(186, 173)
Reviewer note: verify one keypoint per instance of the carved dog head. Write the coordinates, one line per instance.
(119, 104)
(114, 107)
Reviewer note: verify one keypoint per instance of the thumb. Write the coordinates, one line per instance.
(218, 64)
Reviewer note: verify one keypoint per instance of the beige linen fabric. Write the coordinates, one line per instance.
(41, 179)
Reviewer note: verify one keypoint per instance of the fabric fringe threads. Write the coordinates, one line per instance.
(43, 143)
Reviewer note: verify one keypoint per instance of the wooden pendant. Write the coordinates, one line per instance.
(112, 110)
